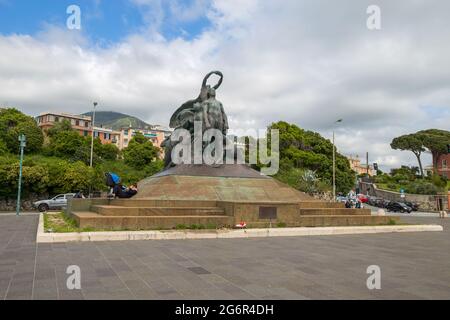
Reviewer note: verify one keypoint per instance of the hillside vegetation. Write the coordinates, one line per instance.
(117, 120)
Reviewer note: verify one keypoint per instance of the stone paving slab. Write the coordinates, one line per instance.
(413, 266)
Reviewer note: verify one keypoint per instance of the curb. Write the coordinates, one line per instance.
(43, 237)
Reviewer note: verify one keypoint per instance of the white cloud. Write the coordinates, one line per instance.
(306, 62)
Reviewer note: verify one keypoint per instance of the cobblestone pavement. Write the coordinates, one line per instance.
(413, 266)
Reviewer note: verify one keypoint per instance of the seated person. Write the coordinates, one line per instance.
(124, 193)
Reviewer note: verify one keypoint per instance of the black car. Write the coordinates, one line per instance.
(379, 203)
(372, 201)
(376, 202)
(413, 206)
(398, 207)
(385, 204)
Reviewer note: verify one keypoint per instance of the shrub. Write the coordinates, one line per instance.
(392, 222)
(439, 181)
(392, 186)
(422, 188)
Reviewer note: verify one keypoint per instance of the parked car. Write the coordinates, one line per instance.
(412, 205)
(374, 201)
(363, 198)
(341, 199)
(398, 207)
(378, 202)
(385, 203)
(58, 202)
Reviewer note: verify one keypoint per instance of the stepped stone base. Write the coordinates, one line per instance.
(104, 214)
(185, 196)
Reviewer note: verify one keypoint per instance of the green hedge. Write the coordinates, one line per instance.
(50, 175)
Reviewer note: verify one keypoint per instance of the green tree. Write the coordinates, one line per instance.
(69, 144)
(3, 148)
(108, 152)
(304, 150)
(413, 143)
(140, 152)
(14, 123)
(77, 176)
(66, 144)
(59, 127)
(436, 141)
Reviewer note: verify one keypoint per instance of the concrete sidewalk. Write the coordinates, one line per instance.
(413, 266)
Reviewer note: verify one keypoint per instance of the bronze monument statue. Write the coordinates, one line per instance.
(205, 110)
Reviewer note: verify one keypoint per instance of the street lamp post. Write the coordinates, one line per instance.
(23, 142)
(334, 162)
(93, 133)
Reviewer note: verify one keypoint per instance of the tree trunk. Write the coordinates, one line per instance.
(420, 163)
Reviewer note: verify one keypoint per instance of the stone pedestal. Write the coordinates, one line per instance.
(206, 197)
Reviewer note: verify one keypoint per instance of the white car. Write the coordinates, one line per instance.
(58, 202)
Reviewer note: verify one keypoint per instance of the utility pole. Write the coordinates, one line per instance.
(23, 142)
(334, 162)
(93, 132)
(334, 169)
(367, 159)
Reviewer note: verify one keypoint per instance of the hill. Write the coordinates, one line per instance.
(116, 120)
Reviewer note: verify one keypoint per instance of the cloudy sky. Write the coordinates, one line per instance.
(309, 62)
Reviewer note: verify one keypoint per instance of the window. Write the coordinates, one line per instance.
(77, 123)
(85, 133)
(86, 124)
(56, 119)
(125, 132)
(444, 163)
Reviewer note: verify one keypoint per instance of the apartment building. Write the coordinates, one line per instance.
(107, 136)
(155, 134)
(355, 165)
(80, 123)
(443, 165)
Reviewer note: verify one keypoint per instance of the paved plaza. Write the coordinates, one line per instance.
(413, 266)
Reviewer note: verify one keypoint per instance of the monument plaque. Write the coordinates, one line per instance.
(268, 213)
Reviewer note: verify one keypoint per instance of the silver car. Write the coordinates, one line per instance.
(58, 202)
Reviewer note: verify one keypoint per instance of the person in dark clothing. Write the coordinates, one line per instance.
(131, 191)
(125, 193)
(79, 195)
(349, 204)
